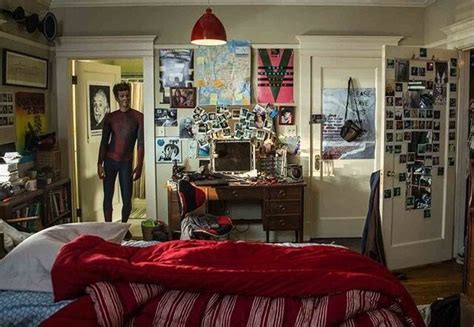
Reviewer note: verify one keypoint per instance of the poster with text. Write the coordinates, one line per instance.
(334, 107)
(176, 70)
(30, 118)
(223, 74)
(275, 76)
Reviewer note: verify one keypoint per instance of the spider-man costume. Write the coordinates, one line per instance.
(121, 129)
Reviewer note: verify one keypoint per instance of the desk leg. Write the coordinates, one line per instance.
(268, 236)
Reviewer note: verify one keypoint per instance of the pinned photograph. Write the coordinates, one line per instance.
(407, 137)
(410, 202)
(453, 72)
(435, 161)
(454, 62)
(402, 177)
(390, 63)
(429, 85)
(451, 161)
(421, 71)
(403, 158)
(389, 124)
(402, 70)
(260, 135)
(243, 112)
(198, 110)
(414, 71)
(427, 213)
(186, 128)
(183, 97)
(235, 113)
(389, 148)
(440, 171)
(423, 52)
(398, 87)
(396, 191)
(286, 115)
(387, 194)
(389, 88)
(452, 102)
(399, 137)
(429, 66)
(389, 114)
(441, 72)
(166, 117)
(167, 149)
(452, 124)
(452, 87)
(389, 101)
(398, 102)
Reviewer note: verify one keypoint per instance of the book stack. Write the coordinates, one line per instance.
(8, 172)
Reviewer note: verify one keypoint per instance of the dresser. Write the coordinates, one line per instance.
(281, 205)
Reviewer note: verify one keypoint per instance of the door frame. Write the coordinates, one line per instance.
(329, 47)
(460, 36)
(104, 47)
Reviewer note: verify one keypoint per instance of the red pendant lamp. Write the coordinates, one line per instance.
(208, 30)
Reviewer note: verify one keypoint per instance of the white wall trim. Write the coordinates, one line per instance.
(159, 46)
(122, 3)
(460, 35)
(438, 44)
(69, 48)
(22, 40)
(345, 46)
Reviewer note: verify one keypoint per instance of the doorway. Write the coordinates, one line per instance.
(92, 98)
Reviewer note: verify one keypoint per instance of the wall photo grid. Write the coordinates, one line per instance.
(206, 94)
(420, 126)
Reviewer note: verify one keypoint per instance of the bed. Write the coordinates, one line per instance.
(99, 282)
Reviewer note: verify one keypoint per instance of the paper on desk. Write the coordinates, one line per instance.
(11, 157)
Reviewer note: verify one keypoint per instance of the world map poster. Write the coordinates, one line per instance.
(223, 74)
(275, 76)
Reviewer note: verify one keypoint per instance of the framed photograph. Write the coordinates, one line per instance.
(98, 94)
(287, 115)
(20, 69)
(183, 97)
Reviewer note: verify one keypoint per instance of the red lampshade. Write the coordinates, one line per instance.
(208, 30)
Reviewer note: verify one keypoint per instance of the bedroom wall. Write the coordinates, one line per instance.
(443, 13)
(15, 37)
(259, 24)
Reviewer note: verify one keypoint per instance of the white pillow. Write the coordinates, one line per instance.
(28, 266)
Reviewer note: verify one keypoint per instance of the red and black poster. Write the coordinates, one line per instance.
(275, 76)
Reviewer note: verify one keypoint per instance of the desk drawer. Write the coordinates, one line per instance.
(234, 194)
(291, 222)
(284, 193)
(283, 207)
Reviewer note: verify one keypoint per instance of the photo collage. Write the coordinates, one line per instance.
(420, 109)
(6, 110)
(202, 123)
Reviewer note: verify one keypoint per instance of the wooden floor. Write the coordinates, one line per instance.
(428, 283)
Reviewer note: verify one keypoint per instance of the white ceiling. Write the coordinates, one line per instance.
(111, 3)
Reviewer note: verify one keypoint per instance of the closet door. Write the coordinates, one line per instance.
(341, 170)
(419, 136)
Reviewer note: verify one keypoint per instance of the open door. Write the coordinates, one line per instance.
(341, 170)
(94, 98)
(418, 176)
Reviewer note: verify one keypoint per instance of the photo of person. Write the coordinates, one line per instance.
(99, 106)
(402, 71)
(186, 128)
(287, 115)
(441, 72)
(183, 97)
(166, 117)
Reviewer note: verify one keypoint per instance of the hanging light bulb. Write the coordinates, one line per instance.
(208, 30)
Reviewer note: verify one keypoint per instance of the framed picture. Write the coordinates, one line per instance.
(20, 69)
(183, 97)
(286, 115)
(99, 105)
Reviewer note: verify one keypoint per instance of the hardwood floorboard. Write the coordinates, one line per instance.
(429, 283)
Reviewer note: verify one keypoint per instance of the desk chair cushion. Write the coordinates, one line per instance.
(190, 197)
(194, 226)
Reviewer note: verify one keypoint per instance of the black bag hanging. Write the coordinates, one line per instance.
(351, 129)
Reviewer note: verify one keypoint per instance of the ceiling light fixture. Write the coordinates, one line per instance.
(208, 30)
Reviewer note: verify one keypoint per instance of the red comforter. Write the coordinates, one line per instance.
(206, 283)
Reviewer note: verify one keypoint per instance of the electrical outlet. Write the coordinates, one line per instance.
(160, 131)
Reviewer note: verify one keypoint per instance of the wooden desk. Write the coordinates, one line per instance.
(281, 205)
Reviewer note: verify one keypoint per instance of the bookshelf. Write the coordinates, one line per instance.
(32, 211)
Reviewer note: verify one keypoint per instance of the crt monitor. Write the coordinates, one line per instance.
(232, 156)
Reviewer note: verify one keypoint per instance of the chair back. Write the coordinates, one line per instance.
(190, 197)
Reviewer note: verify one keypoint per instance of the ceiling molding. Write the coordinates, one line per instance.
(19, 39)
(460, 35)
(125, 3)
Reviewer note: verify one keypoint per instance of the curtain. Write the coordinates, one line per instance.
(137, 103)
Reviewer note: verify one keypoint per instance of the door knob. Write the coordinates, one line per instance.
(317, 162)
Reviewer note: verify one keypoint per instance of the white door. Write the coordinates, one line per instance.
(341, 170)
(94, 97)
(418, 176)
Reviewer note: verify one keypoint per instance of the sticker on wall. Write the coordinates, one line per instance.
(396, 191)
(275, 76)
(387, 194)
(390, 63)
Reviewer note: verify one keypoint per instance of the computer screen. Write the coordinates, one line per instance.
(230, 156)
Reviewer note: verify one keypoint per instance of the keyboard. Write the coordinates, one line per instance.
(215, 181)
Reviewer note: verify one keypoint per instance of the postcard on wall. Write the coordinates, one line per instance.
(30, 115)
(176, 70)
(223, 74)
(168, 149)
(275, 76)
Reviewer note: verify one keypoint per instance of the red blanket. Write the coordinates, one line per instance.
(294, 285)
